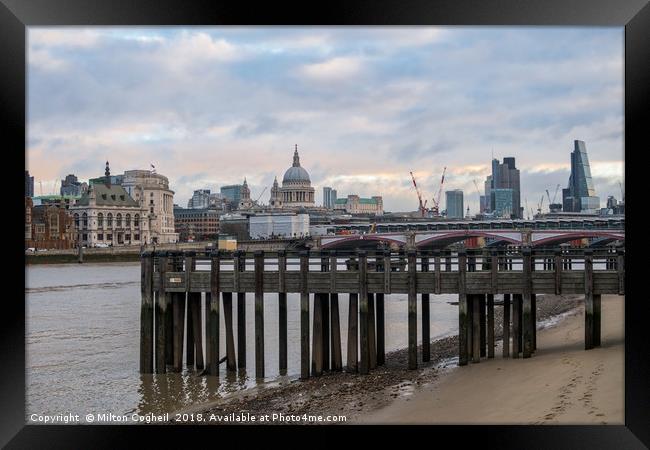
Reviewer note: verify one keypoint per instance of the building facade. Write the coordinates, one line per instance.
(29, 185)
(505, 176)
(151, 191)
(454, 204)
(296, 190)
(283, 225)
(197, 224)
(354, 204)
(71, 186)
(329, 197)
(245, 201)
(48, 227)
(275, 202)
(503, 206)
(200, 199)
(580, 195)
(108, 215)
(232, 193)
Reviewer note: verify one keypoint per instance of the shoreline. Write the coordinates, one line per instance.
(358, 396)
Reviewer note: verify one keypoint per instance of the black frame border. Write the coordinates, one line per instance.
(16, 15)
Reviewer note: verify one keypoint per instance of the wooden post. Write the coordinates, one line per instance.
(231, 362)
(436, 263)
(240, 266)
(317, 337)
(463, 353)
(197, 325)
(516, 329)
(146, 313)
(620, 267)
(304, 315)
(527, 303)
(412, 312)
(372, 343)
(476, 328)
(490, 325)
(189, 328)
(336, 360)
(353, 333)
(494, 271)
(160, 319)
(81, 254)
(506, 326)
(364, 365)
(533, 319)
(259, 314)
(426, 318)
(325, 304)
(387, 271)
(597, 320)
(558, 271)
(448, 260)
(282, 311)
(212, 317)
(589, 300)
(483, 324)
(381, 329)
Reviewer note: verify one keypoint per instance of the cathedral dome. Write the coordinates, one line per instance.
(295, 173)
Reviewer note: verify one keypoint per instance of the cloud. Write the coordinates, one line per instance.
(335, 69)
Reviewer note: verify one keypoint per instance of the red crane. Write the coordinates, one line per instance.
(422, 206)
(436, 201)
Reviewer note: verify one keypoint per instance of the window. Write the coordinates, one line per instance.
(109, 220)
(84, 237)
(127, 237)
(127, 221)
(118, 220)
(100, 237)
(76, 221)
(109, 237)
(136, 237)
(136, 221)
(54, 226)
(84, 220)
(151, 209)
(100, 220)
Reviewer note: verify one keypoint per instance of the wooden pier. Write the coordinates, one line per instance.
(172, 283)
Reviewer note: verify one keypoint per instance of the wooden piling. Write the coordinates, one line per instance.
(437, 277)
(336, 361)
(304, 315)
(178, 308)
(381, 330)
(212, 318)
(353, 333)
(364, 364)
(189, 315)
(387, 271)
(231, 362)
(412, 312)
(426, 317)
(482, 324)
(589, 300)
(160, 319)
(476, 328)
(516, 329)
(597, 320)
(494, 271)
(325, 304)
(282, 311)
(490, 325)
(620, 267)
(317, 337)
(240, 266)
(463, 325)
(506, 326)
(259, 314)
(533, 318)
(372, 342)
(146, 313)
(527, 320)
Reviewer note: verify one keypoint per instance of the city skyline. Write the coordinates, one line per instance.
(366, 105)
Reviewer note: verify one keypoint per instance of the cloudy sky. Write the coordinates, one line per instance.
(366, 105)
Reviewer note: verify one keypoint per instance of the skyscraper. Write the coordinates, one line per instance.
(505, 176)
(454, 204)
(580, 195)
(29, 185)
(327, 196)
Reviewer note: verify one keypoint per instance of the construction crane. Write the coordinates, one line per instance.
(539, 205)
(422, 206)
(527, 210)
(478, 191)
(260, 196)
(622, 191)
(555, 195)
(436, 201)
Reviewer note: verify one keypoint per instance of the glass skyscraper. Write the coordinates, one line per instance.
(455, 204)
(580, 195)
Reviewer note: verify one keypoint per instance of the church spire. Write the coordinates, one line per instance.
(107, 174)
(296, 158)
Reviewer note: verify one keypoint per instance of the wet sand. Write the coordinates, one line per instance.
(561, 384)
(394, 394)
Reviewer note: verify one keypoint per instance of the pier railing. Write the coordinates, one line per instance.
(170, 279)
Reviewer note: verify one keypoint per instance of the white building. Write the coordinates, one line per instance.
(151, 191)
(264, 226)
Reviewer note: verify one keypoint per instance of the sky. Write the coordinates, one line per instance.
(365, 105)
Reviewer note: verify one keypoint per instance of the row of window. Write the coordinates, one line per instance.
(109, 237)
(109, 220)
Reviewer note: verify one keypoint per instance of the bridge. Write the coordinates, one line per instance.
(173, 280)
(493, 237)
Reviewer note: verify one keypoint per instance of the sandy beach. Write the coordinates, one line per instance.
(561, 384)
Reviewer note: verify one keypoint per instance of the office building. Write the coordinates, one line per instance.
(504, 175)
(200, 199)
(503, 203)
(580, 195)
(283, 225)
(71, 186)
(354, 204)
(29, 185)
(454, 204)
(196, 224)
(232, 193)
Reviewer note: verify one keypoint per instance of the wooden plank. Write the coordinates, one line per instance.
(212, 314)
(490, 325)
(463, 325)
(494, 271)
(506, 326)
(353, 334)
(317, 336)
(337, 362)
(412, 312)
(372, 342)
(364, 364)
(259, 314)
(333, 271)
(304, 315)
(387, 272)
(146, 314)
(437, 288)
(589, 300)
(231, 363)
